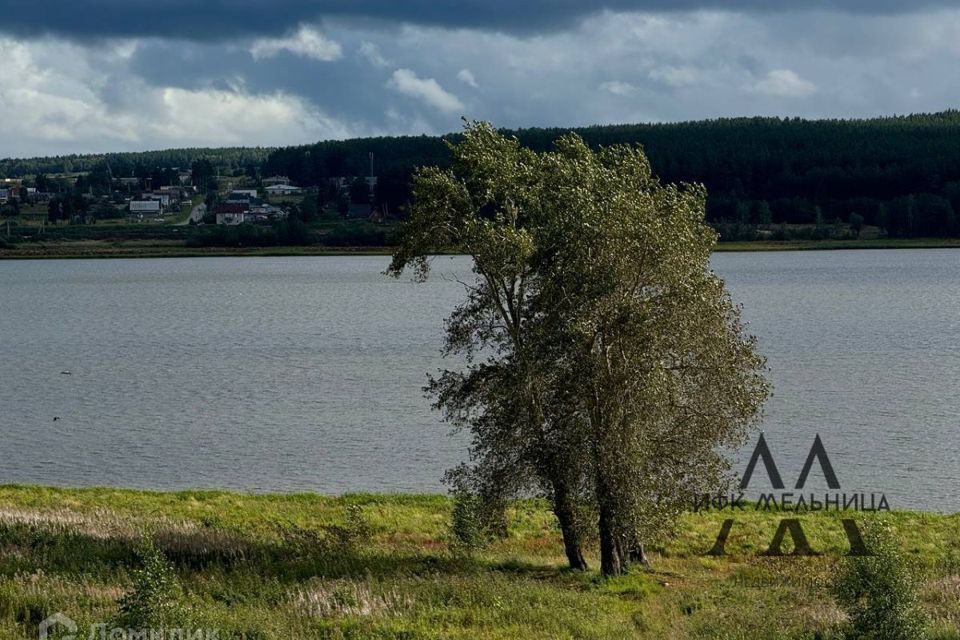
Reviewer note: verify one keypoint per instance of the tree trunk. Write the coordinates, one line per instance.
(564, 510)
(637, 554)
(611, 552)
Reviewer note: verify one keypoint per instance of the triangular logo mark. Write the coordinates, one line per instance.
(763, 451)
(820, 453)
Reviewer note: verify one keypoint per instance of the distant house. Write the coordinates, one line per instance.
(164, 198)
(275, 180)
(263, 212)
(145, 208)
(249, 193)
(231, 212)
(282, 190)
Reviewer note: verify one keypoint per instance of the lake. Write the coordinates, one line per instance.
(305, 374)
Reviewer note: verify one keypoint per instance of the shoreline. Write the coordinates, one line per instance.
(71, 251)
(88, 496)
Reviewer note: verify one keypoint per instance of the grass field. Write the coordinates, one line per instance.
(822, 245)
(382, 566)
(164, 248)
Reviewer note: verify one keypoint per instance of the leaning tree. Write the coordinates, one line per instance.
(606, 364)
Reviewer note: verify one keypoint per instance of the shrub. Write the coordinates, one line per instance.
(156, 599)
(356, 235)
(476, 521)
(878, 592)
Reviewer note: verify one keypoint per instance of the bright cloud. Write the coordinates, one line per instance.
(618, 88)
(59, 98)
(672, 76)
(211, 117)
(305, 42)
(784, 83)
(371, 53)
(466, 77)
(426, 90)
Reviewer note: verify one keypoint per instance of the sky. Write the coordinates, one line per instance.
(124, 75)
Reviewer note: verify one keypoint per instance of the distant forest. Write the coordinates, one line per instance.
(899, 173)
(230, 160)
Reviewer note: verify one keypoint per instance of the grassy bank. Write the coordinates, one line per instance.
(146, 249)
(163, 248)
(382, 566)
(827, 245)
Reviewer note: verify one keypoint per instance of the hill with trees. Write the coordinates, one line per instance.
(777, 178)
(900, 173)
(228, 160)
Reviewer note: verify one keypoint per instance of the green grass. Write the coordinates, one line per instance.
(117, 239)
(299, 565)
(871, 243)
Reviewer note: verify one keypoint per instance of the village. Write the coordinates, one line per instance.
(178, 197)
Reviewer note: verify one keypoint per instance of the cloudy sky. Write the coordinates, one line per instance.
(112, 75)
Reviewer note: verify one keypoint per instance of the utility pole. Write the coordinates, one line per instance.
(370, 181)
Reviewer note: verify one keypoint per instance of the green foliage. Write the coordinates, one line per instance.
(202, 173)
(475, 522)
(359, 191)
(900, 173)
(792, 165)
(343, 204)
(357, 234)
(618, 367)
(879, 591)
(309, 209)
(156, 599)
(289, 232)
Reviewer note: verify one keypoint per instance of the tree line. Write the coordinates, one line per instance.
(140, 164)
(899, 173)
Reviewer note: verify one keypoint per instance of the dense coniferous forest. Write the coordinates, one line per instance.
(128, 164)
(899, 173)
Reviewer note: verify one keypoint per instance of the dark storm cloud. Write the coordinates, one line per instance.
(220, 19)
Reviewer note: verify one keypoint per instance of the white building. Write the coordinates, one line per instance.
(145, 208)
(231, 218)
(281, 190)
(162, 198)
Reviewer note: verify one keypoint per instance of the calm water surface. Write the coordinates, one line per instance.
(286, 374)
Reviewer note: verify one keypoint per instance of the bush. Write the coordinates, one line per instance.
(284, 232)
(356, 235)
(155, 602)
(878, 592)
(476, 521)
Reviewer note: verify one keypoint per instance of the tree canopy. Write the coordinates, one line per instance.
(606, 365)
